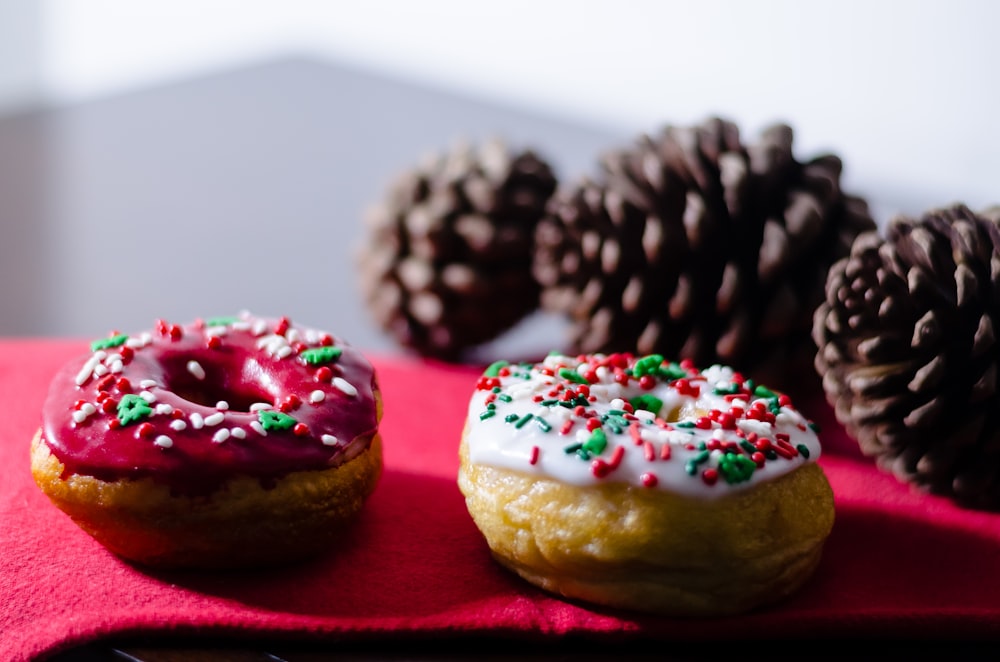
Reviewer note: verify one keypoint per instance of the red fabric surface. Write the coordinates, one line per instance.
(898, 563)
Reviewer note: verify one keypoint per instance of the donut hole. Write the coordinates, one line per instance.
(236, 382)
(686, 412)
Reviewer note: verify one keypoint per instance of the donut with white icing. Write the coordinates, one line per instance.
(226, 442)
(643, 484)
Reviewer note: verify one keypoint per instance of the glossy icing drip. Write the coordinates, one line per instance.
(642, 421)
(194, 405)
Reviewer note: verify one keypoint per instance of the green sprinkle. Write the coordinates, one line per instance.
(773, 406)
(597, 442)
(275, 420)
(523, 421)
(804, 450)
(747, 446)
(732, 389)
(503, 397)
(736, 468)
(321, 355)
(132, 408)
(673, 371)
(616, 422)
(647, 402)
(647, 365)
(764, 392)
(691, 466)
(572, 376)
(813, 426)
(487, 414)
(572, 448)
(543, 425)
(493, 370)
(107, 343)
(549, 403)
(684, 424)
(221, 321)
(510, 418)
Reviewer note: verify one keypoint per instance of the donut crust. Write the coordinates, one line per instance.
(651, 550)
(241, 524)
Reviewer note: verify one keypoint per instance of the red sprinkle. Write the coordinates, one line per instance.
(616, 456)
(665, 452)
(648, 480)
(600, 468)
(214, 342)
(323, 374)
(124, 385)
(282, 327)
(144, 430)
(534, 455)
(566, 427)
(593, 424)
(300, 429)
(176, 332)
(710, 476)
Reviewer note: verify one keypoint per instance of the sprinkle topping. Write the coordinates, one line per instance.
(114, 413)
(645, 421)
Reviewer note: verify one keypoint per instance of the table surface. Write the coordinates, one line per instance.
(240, 190)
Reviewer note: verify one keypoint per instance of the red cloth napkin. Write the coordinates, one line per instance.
(898, 563)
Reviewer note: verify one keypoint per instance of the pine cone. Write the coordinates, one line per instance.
(446, 263)
(907, 350)
(693, 245)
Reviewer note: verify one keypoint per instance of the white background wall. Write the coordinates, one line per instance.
(906, 92)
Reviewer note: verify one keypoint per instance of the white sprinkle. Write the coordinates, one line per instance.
(216, 331)
(312, 336)
(163, 441)
(147, 396)
(329, 440)
(239, 433)
(215, 419)
(148, 383)
(258, 428)
(164, 408)
(116, 366)
(178, 424)
(317, 396)
(195, 369)
(100, 370)
(241, 326)
(293, 335)
(222, 405)
(197, 422)
(88, 368)
(257, 406)
(85, 410)
(284, 351)
(259, 327)
(140, 341)
(220, 436)
(345, 386)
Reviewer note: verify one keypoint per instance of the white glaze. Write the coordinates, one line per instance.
(495, 441)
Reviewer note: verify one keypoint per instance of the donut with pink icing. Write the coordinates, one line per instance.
(643, 483)
(231, 441)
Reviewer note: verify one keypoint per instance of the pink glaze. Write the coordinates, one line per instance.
(244, 361)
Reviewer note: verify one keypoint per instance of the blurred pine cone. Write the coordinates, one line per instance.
(907, 350)
(695, 245)
(446, 261)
